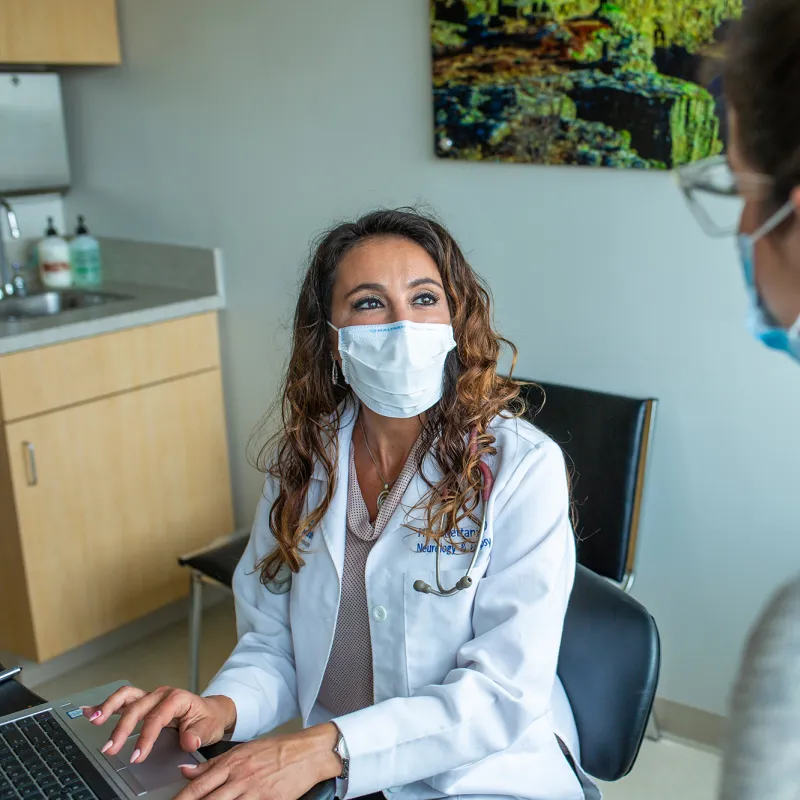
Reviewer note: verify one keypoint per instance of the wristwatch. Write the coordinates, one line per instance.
(344, 754)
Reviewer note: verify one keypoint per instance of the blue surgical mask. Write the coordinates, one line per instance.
(761, 322)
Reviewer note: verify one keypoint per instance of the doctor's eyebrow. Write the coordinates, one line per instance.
(373, 287)
(424, 282)
(379, 287)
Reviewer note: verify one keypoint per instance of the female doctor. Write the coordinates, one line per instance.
(401, 463)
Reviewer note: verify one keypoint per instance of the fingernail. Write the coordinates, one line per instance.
(107, 746)
(95, 716)
(199, 743)
(187, 766)
(135, 755)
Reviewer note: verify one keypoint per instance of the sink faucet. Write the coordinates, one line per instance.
(11, 284)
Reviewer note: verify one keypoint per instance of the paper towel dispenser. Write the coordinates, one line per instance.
(33, 141)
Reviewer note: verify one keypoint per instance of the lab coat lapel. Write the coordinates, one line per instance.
(411, 512)
(334, 523)
(407, 513)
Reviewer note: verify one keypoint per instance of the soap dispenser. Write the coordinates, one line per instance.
(85, 256)
(54, 259)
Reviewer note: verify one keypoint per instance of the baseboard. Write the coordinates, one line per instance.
(691, 724)
(34, 674)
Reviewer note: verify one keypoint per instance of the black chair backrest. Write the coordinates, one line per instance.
(605, 438)
(609, 663)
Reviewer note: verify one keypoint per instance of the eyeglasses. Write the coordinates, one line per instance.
(716, 195)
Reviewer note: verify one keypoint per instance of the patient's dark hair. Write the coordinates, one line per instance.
(762, 82)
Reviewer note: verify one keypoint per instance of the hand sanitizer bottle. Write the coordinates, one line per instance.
(85, 257)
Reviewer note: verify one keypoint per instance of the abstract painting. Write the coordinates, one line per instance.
(579, 82)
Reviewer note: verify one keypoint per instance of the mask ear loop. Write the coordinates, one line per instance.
(334, 370)
(776, 219)
(794, 331)
(768, 227)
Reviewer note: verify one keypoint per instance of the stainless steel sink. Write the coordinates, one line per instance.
(48, 304)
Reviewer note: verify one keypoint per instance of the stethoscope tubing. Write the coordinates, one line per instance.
(465, 582)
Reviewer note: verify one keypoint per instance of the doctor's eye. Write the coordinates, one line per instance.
(426, 298)
(367, 303)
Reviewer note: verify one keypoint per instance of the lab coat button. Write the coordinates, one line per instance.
(379, 613)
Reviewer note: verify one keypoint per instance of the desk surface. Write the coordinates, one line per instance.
(15, 697)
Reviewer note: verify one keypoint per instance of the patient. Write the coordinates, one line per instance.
(762, 758)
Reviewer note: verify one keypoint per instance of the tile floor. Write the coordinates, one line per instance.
(665, 770)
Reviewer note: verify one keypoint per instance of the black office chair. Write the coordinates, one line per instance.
(212, 566)
(606, 439)
(609, 665)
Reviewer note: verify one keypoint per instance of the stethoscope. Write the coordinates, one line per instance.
(282, 581)
(465, 582)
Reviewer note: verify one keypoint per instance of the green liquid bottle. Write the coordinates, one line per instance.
(84, 252)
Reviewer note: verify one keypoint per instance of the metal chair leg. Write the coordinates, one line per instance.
(195, 621)
(653, 732)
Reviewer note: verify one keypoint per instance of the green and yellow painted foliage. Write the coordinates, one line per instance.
(578, 81)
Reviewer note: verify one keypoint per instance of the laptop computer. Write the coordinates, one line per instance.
(52, 751)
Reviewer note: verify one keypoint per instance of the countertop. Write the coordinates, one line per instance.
(169, 282)
(147, 305)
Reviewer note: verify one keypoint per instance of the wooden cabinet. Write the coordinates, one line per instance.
(55, 32)
(99, 497)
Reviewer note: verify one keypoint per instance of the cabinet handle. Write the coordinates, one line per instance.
(30, 452)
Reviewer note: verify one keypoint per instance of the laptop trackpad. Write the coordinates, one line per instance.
(161, 767)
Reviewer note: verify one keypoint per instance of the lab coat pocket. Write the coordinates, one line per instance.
(435, 627)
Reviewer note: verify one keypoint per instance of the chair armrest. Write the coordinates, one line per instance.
(322, 791)
(609, 665)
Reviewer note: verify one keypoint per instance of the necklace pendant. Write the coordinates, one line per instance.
(382, 496)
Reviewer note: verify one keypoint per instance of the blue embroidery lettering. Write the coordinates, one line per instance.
(447, 548)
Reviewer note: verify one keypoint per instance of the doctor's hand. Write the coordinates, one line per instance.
(200, 720)
(280, 768)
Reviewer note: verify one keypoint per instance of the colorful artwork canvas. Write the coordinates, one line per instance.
(579, 82)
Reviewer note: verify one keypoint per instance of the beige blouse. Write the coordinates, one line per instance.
(347, 685)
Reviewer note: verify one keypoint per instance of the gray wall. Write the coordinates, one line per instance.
(32, 213)
(252, 125)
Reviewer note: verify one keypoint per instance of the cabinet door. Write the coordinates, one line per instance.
(108, 495)
(59, 32)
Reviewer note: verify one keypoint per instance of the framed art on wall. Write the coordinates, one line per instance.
(578, 82)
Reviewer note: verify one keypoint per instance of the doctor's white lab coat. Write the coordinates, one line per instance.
(467, 701)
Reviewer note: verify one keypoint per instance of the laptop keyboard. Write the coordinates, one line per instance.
(39, 760)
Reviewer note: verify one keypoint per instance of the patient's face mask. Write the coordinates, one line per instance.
(717, 196)
(397, 369)
(761, 322)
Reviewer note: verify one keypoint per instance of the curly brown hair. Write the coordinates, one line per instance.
(312, 407)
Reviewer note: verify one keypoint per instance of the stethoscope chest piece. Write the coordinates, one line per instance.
(282, 581)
